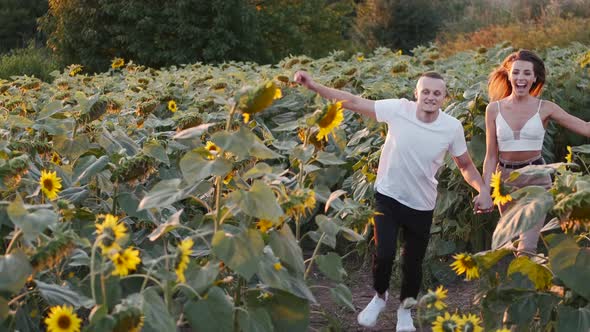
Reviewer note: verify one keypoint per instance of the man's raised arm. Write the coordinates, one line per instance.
(349, 101)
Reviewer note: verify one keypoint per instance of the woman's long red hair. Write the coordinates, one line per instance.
(499, 84)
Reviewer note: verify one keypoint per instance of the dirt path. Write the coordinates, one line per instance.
(460, 295)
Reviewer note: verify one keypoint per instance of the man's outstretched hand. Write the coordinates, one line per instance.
(304, 79)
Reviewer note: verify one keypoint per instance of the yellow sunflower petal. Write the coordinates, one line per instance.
(62, 319)
(331, 118)
(50, 184)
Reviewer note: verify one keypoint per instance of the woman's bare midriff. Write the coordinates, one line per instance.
(517, 156)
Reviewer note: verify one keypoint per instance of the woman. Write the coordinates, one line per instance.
(515, 127)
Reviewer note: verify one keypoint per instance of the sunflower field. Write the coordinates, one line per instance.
(200, 198)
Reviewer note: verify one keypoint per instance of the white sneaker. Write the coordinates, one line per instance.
(368, 317)
(404, 317)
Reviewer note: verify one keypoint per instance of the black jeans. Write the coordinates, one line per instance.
(415, 226)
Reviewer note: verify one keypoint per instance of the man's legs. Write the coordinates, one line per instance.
(416, 233)
(386, 229)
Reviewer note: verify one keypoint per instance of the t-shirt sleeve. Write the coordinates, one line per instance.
(458, 145)
(387, 109)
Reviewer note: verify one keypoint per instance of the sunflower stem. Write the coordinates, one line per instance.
(75, 129)
(103, 290)
(92, 272)
(20, 296)
(218, 184)
(144, 276)
(313, 256)
(237, 299)
(16, 235)
(231, 114)
(115, 193)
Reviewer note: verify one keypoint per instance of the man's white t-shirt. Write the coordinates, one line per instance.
(413, 152)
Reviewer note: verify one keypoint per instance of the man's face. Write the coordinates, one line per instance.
(430, 94)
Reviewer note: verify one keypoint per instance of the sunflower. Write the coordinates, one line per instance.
(50, 184)
(137, 328)
(55, 158)
(264, 225)
(503, 330)
(172, 107)
(278, 266)
(360, 58)
(212, 149)
(113, 231)
(252, 101)
(182, 258)
(75, 69)
(62, 319)
(470, 323)
(446, 323)
(569, 156)
(117, 63)
(125, 261)
(437, 298)
(499, 194)
(299, 203)
(331, 118)
(464, 263)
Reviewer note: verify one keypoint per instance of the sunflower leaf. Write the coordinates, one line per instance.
(532, 203)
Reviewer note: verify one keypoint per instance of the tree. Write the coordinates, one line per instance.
(151, 32)
(398, 24)
(19, 22)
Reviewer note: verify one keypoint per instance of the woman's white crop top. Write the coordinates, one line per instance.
(528, 138)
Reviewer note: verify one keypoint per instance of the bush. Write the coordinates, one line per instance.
(550, 32)
(28, 61)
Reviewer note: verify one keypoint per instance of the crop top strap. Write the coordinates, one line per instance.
(498, 103)
(539, 107)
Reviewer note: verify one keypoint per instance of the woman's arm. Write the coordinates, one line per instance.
(567, 120)
(349, 101)
(491, 159)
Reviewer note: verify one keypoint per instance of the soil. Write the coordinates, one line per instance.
(460, 295)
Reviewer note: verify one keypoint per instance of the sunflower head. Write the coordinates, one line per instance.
(464, 263)
(500, 193)
(125, 261)
(278, 266)
(469, 322)
(212, 149)
(50, 184)
(435, 298)
(255, 100)
(55, 158)
(183, 258)
(111, 232)
(117, 63)
(446, 323)
(172, 107)
(569, 157)
(128, 320)
(62, 319)
(264, 225)
(75, 69)
(300, 202)
(330, 118)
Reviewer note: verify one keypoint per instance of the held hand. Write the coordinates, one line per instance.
(483, 203)
(304, 79)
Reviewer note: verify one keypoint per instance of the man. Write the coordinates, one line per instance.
(419, 135)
